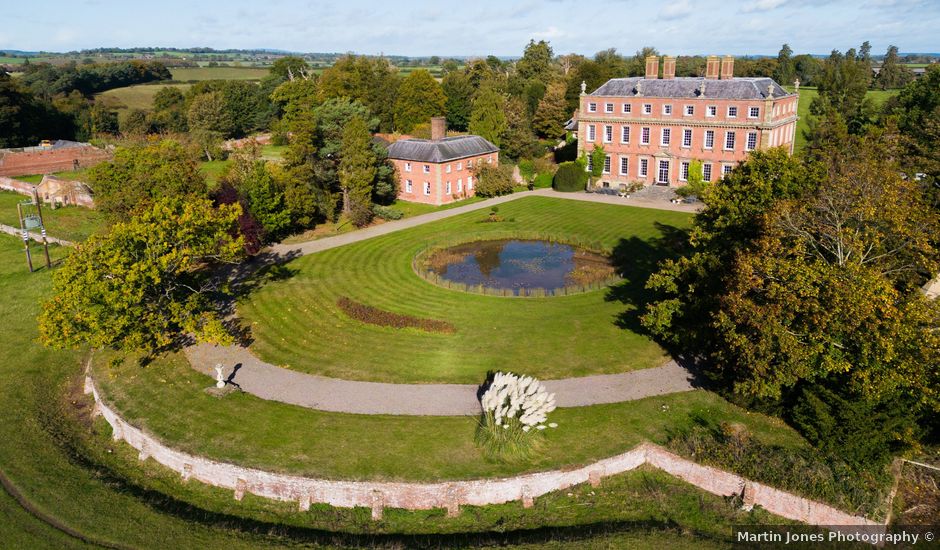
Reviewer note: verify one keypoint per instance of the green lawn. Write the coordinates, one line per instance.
(807, 94)
(350, 446)
(92, 485)
(187, 74)
(213, 170)
(72, 223)
(416, 208)
(296, 323)
(137, 97)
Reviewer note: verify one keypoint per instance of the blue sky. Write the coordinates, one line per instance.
(475, 27)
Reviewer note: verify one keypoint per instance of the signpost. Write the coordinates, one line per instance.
(30, 215)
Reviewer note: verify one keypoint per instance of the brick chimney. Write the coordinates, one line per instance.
(727, 68)
(652, 67)
(669, 67)
(438, 127)
(711, 67)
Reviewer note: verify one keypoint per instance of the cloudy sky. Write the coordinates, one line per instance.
(475, 27)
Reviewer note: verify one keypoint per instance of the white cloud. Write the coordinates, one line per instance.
(763, 5)
(676, 10)
(551, 32)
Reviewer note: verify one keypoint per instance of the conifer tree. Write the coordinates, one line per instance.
(420, 97)
(357, 170)
(488, 118)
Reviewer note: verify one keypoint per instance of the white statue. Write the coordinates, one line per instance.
(219, 379)
(583, 87)
(796, 85)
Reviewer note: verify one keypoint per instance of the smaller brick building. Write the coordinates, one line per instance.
(439, 170)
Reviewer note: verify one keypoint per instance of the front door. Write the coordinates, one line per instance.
(662, 175)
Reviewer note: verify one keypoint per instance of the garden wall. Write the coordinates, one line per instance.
(61, 157)
(451, 495)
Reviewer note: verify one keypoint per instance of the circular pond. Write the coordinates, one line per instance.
(519, 267)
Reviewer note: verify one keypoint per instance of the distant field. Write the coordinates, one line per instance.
(807, 94)
(137, 97)
(185, 74)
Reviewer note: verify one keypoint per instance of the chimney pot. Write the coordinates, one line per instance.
(652, 67)
(438, 127)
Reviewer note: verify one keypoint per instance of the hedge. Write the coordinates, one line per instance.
(570, 177)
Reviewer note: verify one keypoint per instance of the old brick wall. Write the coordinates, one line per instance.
(36, 161)
(451, 495)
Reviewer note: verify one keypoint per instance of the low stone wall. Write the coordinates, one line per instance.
(451, 495)
(17, 186)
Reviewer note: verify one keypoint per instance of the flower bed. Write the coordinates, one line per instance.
(375, 316)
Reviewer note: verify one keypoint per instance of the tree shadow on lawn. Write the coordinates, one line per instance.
(635, 260)
(247, 277)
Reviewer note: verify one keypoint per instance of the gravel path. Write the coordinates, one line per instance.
(250, 374)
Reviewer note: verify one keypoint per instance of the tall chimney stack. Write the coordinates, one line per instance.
(438, 127)
(652, 67)
(727, 68)
(711, 67)
(669, 67)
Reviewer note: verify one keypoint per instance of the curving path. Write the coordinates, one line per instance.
(250, 374)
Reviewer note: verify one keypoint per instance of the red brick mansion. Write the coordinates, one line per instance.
(652, 128)
(439, 170)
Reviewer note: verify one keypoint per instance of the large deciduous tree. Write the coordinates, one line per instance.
(552, 113)
(917, 110)
(139, 175)
(145, 283)
(459, 103)
(420, 97)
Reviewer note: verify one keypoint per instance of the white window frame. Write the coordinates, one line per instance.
(625, 134)
(407, 167)
(709, 141)
(688, 110)
(469, 164)
(647, 108)
(427, 168)
(726, 169)
(752, 114)
(659, 171)
(751, 142)
(469, 183)
(707, 171)
(447, 169)
(459, 166)
(732, 111)
(646, 134)
(447, 188)
(684, 170)
(665, 137)
(409, 186)
(592, 107)
(608, 107)
(590, 163)
(608, 133)
(643, 168)
(667, 109)
(733, 138)
(427, 188)
(627, 108)
(607, 164)
(624, 166)
(711, 111)
(687, 138)
(592, 133)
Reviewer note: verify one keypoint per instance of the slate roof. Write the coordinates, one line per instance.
(689, 87)
(441, 150)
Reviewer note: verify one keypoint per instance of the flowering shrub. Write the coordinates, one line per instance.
(513, 407)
